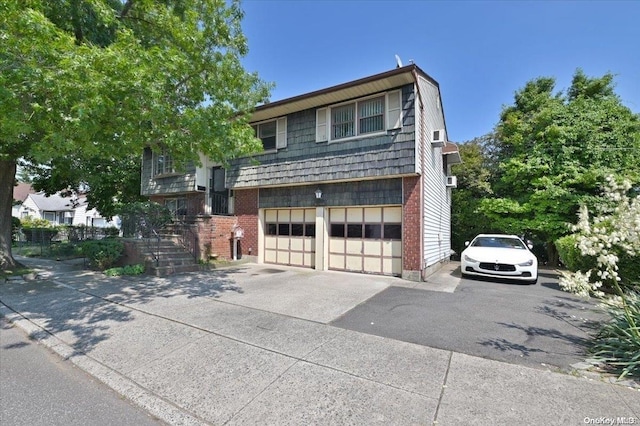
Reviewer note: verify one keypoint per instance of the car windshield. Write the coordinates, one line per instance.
(499, 242)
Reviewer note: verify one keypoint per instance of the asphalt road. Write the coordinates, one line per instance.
(534, 325)
(40, 388)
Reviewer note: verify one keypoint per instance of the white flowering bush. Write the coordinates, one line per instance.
(613, 233)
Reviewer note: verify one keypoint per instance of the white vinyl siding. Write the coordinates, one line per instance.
(436, 205)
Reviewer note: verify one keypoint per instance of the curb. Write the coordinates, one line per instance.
(154, 405)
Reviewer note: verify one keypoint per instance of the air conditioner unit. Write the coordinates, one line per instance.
(437, 138)
(452, 182)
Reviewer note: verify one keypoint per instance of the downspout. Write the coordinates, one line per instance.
(422, 176)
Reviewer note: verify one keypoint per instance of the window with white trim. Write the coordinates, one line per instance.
(162, 163)
(273, 133)
(360, 118)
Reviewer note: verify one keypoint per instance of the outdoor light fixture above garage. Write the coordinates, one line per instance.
(318, 194)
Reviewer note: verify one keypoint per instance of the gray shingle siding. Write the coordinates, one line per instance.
(171, 184)
(306, 161)
(359, 193)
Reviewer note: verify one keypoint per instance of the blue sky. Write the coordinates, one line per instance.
(480, 52)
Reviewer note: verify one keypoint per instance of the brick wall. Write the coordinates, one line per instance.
(246, 211)
(214, 235)
(412, 226)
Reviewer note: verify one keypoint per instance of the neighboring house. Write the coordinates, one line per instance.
(62, 210)
(20, 192)
(353, 177)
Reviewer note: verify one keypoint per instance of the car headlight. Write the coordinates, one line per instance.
(469, 259)
(527, 263)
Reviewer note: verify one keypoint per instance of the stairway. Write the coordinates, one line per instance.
(172, 258)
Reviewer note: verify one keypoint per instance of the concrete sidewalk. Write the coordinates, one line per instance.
(251, 345)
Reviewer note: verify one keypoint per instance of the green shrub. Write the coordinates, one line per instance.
(617, 343)
(137, 269)
(65, 249)
(570, 255)
(15, 227)
(573, 260)
(30, 222)
(629, 271)
(102, 254)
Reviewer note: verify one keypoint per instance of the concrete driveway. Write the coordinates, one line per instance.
(250, 345)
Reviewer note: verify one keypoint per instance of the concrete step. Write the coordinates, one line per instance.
(163, 271)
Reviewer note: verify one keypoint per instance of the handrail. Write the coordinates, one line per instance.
(155, 255)
(189, 240)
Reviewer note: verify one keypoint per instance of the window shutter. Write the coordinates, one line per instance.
(394, 110)
(321, 125)
(281, 136)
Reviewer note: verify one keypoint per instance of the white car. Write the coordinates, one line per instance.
(499, 256)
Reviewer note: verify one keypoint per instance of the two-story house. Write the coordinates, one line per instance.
(353, 177)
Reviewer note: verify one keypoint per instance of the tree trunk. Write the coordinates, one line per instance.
(552, 254)
(7, 180)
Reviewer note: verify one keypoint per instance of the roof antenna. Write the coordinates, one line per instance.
(398, 62)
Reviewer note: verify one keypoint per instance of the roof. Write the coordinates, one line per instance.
(342, 92)
(52, 203)
(21, 190)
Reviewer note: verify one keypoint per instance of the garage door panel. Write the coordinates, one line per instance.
(271, 216)
(337, 215)
(283, 243)
(369, 239)
(336, 245)
(309, 260)
(297, 259)
(354, 215)
(353, 263)
(354, 246)
(373, 264)
(393, 214)
(296, 244)
(282, 257)
(372, 248)
(336, 261)
(271, 242)
(297, 215)
(286, 241)
(270, 256)
(373, 214)
(392, 248)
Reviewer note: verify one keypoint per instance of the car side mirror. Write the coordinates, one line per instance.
(530, 246)
(466, 243)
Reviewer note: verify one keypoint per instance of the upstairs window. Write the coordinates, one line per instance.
(266, 132)
(273, 134)
(371, 115)
(162, 163)
(360, 118)
(357, 118)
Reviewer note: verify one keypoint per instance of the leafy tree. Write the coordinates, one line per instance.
(474, 184)
(86, 81)
(554, 152)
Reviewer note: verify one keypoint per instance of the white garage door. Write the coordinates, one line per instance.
(290, 237)
(366, 239)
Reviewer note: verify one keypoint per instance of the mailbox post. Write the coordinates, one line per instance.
(237, 233)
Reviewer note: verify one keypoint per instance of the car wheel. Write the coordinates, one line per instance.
(532, 282)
